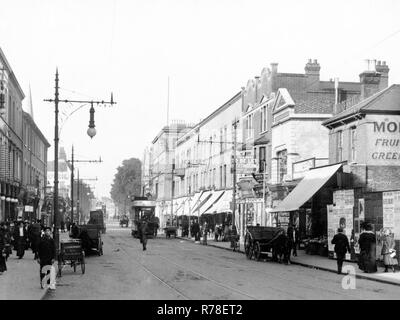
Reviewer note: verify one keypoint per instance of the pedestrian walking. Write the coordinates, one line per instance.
(367, 258)
(216, 233)
(47, 254)
(342, 246)
(205, 233)
(142, 233)
(20, 238)
(3, 266)
(62, 225)
(196, 231)
(388, 251)
(293, 235)
(34, 236)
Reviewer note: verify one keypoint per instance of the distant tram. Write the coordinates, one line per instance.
(144, 209)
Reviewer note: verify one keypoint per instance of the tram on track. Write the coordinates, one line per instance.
(144, 210)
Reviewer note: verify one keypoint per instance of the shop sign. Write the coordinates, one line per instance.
(391, 212)
(343, 198)
(301, 167)
(384, 140)
(28, 208)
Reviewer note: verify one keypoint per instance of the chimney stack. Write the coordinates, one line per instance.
(370, 83)
(312, 69)
(383, 69)
(274, 68)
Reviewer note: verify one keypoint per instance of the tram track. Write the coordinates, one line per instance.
(274, 275)
(215, 282)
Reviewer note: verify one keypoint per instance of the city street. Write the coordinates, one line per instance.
(178, 269)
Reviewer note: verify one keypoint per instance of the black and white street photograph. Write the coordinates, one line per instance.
(218, 151)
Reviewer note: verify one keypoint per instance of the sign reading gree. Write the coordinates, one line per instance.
(384, 140)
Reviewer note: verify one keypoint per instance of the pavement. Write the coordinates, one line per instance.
(320, 263)
(21, 280)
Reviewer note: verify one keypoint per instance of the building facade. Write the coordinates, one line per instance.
(11, 143)
(34, 177)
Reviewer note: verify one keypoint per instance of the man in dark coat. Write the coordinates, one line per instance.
(293, 236)
(47, 254)
(34, 236)
(20, 239)
(3, 266)
(342, 246)
(142, 233)
(196, 231)
(367, 243)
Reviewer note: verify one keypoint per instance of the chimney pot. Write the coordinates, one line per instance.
(309, 61)
(379, 62)
(315, 61)
(384, 63)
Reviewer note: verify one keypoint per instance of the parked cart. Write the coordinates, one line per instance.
(90, 235)
(73, 254)
(259, 240)
(170, 230)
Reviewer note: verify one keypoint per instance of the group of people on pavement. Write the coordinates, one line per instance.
(22, 235)
(367, 260)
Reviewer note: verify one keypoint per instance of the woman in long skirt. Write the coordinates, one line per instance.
(367, 243)
(388, 251)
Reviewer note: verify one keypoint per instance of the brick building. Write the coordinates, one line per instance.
(282, 117)
(366, 136)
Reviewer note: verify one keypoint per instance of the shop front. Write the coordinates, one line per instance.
(306, 207)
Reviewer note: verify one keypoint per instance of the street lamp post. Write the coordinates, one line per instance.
(91, 132)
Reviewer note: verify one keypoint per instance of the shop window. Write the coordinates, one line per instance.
(340, 146)
(282, 164)
(353, 139)
(262, 160)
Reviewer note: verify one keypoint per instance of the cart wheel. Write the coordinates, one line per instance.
(257, 251)
(83, 264)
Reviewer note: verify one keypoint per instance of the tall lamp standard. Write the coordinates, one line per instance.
(91, 132)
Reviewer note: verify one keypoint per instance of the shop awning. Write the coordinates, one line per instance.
(194, 202)
(222, 204)
(311, 183)
(216, 195)
(203, 199)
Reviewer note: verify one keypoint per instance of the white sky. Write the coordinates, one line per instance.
(208, 48)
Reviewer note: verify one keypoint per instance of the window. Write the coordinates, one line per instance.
(225, 137)
(282, 164)
(224, 175)
(340, 146)
(214, 177)
(220, 176)
(263, 119)
(262, 160)
(249, 125)
(353, 139)
(221, 137)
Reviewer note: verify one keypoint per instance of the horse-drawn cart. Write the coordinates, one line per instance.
(90, 235)
(259, 240)
(71, 253)
(170, 230)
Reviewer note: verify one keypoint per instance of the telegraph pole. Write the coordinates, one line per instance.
(77, 202)
(234, 172)
(91, 133)
(72, 185)
(72, 179)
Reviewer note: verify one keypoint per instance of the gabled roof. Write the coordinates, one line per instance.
(386, 101)
(314, 102)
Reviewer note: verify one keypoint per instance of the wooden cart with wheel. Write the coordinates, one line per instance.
(90, 234)
(71, 253)
(259, 240)
(170, 230)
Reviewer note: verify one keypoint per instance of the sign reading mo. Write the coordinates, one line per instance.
(385, 126)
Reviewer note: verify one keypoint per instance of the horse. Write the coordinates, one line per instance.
(281, 248)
